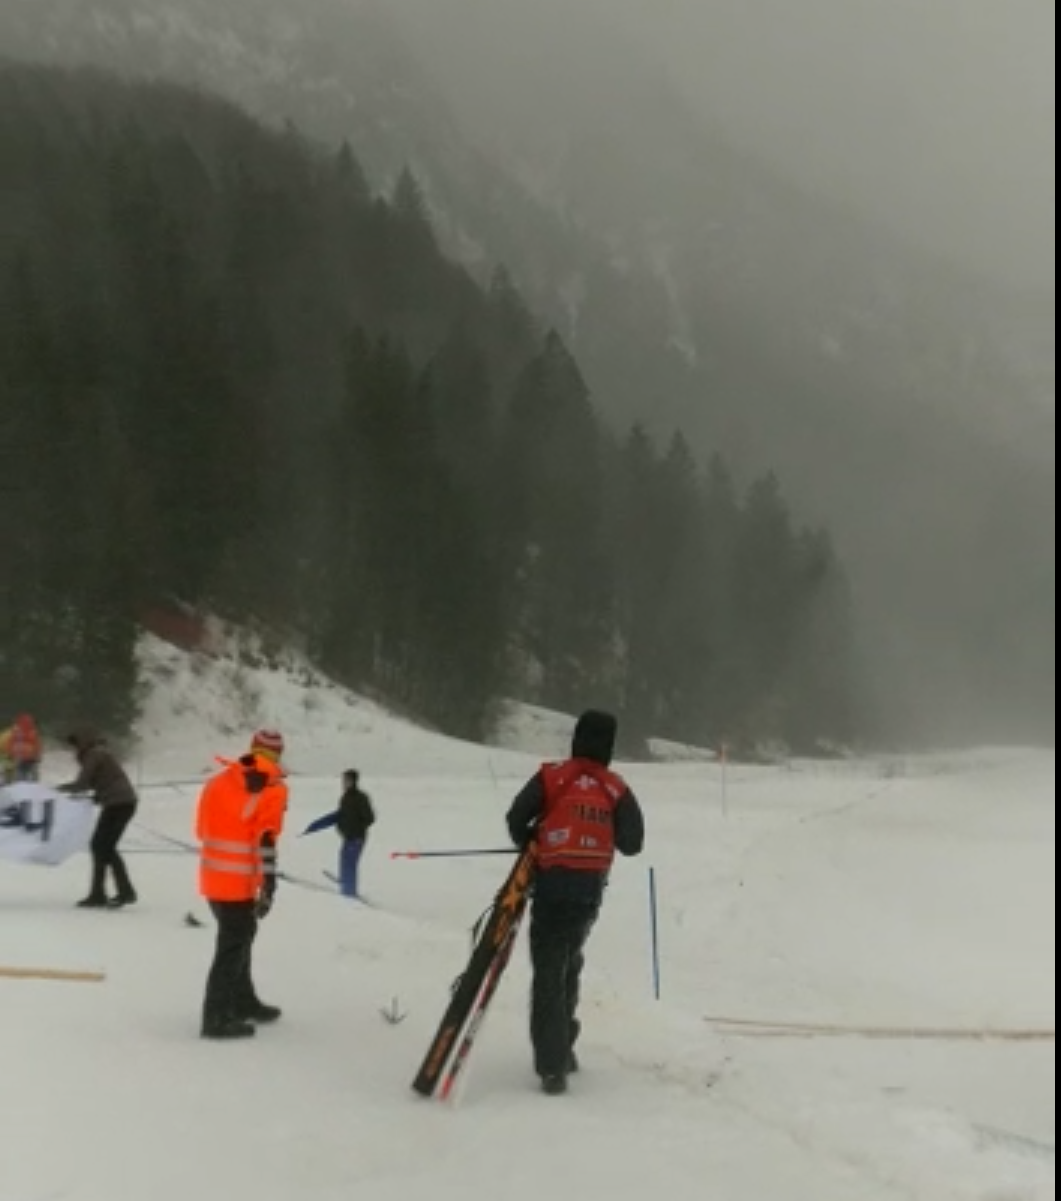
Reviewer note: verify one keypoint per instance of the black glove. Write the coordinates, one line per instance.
(266, 898)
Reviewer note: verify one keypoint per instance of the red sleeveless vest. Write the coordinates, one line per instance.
(25, 742)
(577, 831)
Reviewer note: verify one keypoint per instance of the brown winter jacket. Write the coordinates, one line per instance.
(101, 774)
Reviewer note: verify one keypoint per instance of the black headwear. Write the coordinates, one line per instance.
(83, 739)
(595, 737)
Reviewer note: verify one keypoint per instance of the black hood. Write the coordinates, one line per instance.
(595, 737)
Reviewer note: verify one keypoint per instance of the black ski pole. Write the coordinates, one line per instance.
(414, 855)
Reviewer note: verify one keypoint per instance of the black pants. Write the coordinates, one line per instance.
(110, 830)
(230, 993)
(560, 931)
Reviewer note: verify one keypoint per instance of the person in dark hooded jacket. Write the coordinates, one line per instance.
(580, 814)
(103, 777)
(355, 819)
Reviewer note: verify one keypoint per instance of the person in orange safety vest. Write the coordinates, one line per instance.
(240, 821)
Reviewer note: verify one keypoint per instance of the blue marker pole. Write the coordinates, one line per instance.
(653, 893)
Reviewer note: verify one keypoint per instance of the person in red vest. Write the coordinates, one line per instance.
(240, 821)
(580, 814)
(25, 749)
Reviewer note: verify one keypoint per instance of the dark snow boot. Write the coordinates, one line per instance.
(262, 1015)
(554, 1086)
(226, 1030)
(126, 891)
(97, 894)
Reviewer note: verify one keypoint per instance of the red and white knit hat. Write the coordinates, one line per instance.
(269, 743)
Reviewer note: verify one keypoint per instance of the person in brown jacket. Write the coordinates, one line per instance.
(103, 777)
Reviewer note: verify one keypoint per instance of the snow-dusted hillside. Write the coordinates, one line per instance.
(197, 706)
(909, 900)
(193, 700)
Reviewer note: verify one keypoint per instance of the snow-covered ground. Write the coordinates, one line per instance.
(902, 897)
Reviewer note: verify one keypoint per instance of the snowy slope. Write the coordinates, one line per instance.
(196, 706)
(855, 894)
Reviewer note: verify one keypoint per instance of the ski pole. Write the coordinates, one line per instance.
(154, 785)
(653, 895)
(172, 852)
(178, 844)
(452, 854)
(724, 762)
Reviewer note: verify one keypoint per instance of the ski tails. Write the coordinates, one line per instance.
(456, 1073)
(452, 1046)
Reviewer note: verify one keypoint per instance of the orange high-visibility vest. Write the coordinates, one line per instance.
(577, 830)
(231, 825)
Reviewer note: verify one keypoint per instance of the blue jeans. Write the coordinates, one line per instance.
(350, 868)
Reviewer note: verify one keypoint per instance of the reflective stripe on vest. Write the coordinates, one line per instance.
(231, 869)
(229, 848)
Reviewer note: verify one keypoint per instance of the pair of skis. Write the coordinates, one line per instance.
(447, 1059)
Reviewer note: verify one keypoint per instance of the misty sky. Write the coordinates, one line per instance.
(935, 114)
